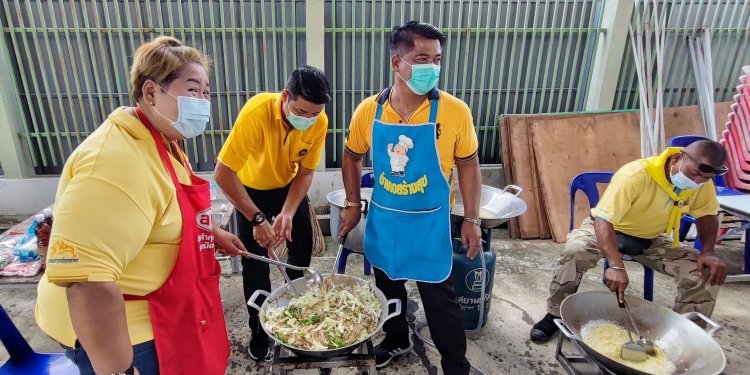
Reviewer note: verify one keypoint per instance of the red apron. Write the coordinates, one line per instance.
(186, 312)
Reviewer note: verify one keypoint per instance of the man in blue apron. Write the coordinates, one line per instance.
(417, 134)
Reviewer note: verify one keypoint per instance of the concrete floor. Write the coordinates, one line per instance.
(523, 271)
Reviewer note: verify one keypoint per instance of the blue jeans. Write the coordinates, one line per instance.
(144, 356)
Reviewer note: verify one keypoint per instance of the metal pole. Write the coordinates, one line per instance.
(316, 53)
(608, 58)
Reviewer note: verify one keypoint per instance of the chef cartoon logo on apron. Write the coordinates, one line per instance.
(398, 155)
(407, 235)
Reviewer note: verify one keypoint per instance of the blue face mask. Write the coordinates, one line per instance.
(682, 181)
(299, 122)
(192, 115)
(424, 77)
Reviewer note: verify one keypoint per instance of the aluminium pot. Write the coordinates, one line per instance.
(355, 239)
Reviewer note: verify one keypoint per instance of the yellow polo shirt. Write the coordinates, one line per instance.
(457, 138)
(264, 150)
(116, 219)
(635, 204)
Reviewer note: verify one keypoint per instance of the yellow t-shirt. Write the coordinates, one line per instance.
(116, 219)
(264, 150)
(456, 137)
(635, 204)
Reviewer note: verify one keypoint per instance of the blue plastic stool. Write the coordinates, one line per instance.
(341, 267)
(23, 360)
(587, 183)
(367, 181)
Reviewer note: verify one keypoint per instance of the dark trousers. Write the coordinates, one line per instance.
(443, 318)
(144, 358)
(255, 274)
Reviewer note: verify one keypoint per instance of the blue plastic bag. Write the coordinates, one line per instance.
(26, 248)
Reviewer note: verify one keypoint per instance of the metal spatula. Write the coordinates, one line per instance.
(631, 350)
(647, 344)
(315, 281)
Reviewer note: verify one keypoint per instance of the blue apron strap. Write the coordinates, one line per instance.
(381, 100)
(433, 110)
(378, 112)
(433, 95)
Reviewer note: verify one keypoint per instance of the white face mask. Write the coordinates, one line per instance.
(192, 115)
(682, 181)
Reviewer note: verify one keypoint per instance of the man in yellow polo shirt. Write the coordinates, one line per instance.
(416, 135)
(265, 169)
(646, 199)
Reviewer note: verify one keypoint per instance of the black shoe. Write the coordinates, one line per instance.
(259, 351)
(544, 329)
(384, 354)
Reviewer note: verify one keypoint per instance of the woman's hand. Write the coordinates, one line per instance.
(227, 243)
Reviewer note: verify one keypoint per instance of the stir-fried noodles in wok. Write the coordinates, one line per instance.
(334, 317)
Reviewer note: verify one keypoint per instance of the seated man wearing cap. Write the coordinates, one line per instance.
(639, 215)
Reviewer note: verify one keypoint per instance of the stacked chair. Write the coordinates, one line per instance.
(736, 138)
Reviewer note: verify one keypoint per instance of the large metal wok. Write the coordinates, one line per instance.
(281, 297)
(690, 348)
(495, 206)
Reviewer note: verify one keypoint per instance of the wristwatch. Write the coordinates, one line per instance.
(258, 218)
(472, 220)
(348, 203)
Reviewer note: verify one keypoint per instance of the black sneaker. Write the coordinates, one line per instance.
(544, 329)
(259, 351)
(384, 354)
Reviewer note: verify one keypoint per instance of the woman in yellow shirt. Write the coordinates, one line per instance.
(131, 273)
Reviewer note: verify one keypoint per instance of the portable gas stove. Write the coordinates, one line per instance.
(363, 358)
(579, 363)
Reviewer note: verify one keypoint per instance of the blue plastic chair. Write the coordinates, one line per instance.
(687, 220)
(23, 360)
(586, 182)
(367, 181)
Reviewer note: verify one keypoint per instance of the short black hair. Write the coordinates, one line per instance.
(310, 83)
(714, 152)
(404, 35)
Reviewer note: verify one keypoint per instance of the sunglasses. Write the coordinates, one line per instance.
(705, 168)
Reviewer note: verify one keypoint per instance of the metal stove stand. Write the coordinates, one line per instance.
(363, 358)
(578, 363)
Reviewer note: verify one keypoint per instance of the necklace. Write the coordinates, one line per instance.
(411, 111)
